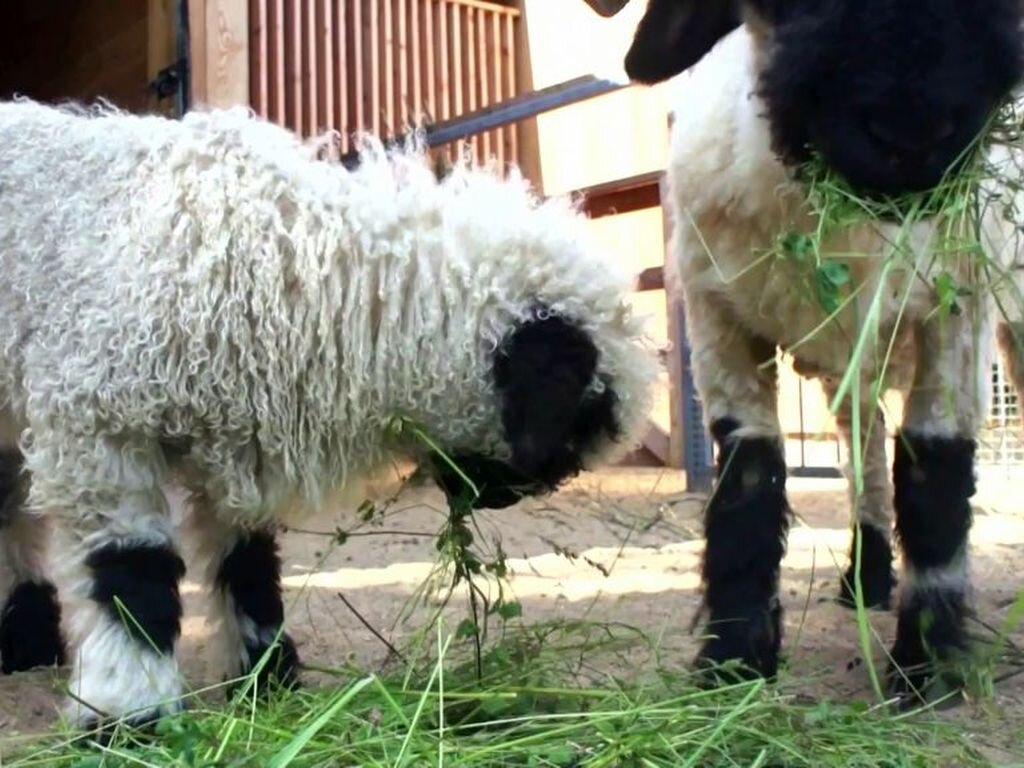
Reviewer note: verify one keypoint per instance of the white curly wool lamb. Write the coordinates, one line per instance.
(203, 300)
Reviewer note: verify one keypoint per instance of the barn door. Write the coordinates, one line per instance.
(167, 56)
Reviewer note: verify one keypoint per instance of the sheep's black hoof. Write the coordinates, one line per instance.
(102, 731)
(930, 655)
(741, 649)
(877, 578)
(280, 669)
(30, 633)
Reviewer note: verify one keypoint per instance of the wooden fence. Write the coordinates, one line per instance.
(383, 65)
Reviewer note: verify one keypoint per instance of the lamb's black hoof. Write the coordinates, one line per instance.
(741, 649)
(877, 579)
(930, 655)
(30, 633)
(280, 669)
(102, 731)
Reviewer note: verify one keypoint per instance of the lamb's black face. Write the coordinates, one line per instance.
(550, 414)
(890, 92)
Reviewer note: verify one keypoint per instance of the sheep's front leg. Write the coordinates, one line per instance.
(872, 508)
(120, 574)
(747, 517)
(30, 634)
(933, 475)
(244, 576)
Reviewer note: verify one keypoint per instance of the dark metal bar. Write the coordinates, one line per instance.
(519, 108)
(505, 113)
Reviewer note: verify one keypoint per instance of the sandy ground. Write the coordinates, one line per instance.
(637, 535)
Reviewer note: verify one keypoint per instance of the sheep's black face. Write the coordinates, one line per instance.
(890, 93)
(550, 414)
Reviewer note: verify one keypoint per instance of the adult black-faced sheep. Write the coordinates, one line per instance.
(890, 94)
(204, 301)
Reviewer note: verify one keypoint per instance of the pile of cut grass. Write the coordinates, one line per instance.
(542, 702)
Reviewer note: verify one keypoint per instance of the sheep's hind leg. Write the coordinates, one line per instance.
(30, 633)
(872, 509)
(244, 576)
(119, 570)
(747, 517)
(933, 475)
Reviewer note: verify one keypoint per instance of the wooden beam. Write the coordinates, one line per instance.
(651, 279)
(219, 52)
(635, 193)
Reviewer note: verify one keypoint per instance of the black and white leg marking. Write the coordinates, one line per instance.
(746, 523)
(125, 662)
(248, 581)
(934, 480)
(30, 631)
(872, 510)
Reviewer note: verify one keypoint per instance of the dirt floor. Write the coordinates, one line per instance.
(637, 537)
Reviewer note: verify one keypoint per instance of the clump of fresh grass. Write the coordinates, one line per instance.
(540, 702)
(461, 560)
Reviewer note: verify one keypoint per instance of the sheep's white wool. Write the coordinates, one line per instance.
(208, 282)
(115, 675)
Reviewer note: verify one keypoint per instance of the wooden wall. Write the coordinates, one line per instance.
(54, 50)
(383, 65)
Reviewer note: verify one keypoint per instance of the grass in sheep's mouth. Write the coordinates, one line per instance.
(545, 700)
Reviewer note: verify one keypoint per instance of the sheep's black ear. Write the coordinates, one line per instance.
(673, 35)
(542, 372)
(606, 8)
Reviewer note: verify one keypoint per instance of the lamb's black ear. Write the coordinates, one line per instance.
(542, 372)
(606, 8)
(673, 35)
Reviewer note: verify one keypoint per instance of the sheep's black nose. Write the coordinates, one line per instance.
(906, 135)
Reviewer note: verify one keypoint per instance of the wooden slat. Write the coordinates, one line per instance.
(341, 80)
(357, 113)
(429, 59)
(371, 57)
(508, 51)
(326, 65)
(276, 87)
(292, 67)
(416, 64)
(403, 117)
(310, 115)
(387, 45)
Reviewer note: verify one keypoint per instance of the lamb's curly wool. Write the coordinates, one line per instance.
(206, 296)
(204, 281)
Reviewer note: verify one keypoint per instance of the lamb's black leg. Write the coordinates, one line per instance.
(30, 633)
(746, 523)
(877, 578)
(934, 479)
(249, 582)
